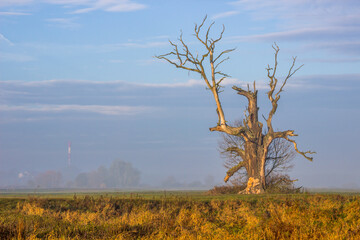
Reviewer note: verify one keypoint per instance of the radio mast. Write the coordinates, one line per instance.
(69, 154)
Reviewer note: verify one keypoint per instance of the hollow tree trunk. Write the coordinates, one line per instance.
(255, 169)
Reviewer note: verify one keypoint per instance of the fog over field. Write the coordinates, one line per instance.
(84, 72)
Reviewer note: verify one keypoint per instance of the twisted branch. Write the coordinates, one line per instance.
(233, 170)
(273, 84)
(186, 60)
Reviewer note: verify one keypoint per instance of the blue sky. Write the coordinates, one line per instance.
(84, 71)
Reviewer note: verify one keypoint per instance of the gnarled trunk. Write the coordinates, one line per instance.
(255, 169)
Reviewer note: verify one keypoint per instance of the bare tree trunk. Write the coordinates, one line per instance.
(255, 168)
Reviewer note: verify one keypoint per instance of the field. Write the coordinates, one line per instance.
(178, 215)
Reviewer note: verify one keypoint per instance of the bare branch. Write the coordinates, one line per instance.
(273, 83)
(218, 39)
(290, 133)
(218, 86)
(178, 65)
(297, 150)
(236, 131)
(224, 52)
(236, 150)
(290, 73)
(186, 60)
(221, 73)
(277, 49)
(197, 32)
(233, 170)
(279, 156)
(207, 33)
(243, 92)
(225, 59)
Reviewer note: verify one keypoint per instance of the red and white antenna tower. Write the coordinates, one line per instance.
(69, 153)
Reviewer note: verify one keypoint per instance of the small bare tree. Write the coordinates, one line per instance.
(257, 141)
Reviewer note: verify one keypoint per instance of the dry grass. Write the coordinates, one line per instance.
(301, 216)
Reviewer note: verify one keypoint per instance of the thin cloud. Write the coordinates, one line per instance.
(347, 47)
(4, 39)
(331, 60)
(99, 109)
(125, 6)
(145, 45)
(146, 62)
(307, 34)
(299, 82)
(53, 82)
(116, 61)
(225, 14)
(5, 93)
(111, 6)
(64, 22)
(160, 37)
(13, 57)
(100, 48)
(326, 24)
(68, 2)
(15, 2)
(189, 83)
(13, 14)
(85, 5)
(300, 12)
(26, 119)
(335, 82)
(116, 46)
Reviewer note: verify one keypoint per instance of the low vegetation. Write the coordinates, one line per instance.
(181, 216)
(276, 183)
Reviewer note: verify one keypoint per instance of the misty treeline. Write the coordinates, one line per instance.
(120, 174)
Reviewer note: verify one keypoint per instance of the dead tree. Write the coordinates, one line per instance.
(257, 141)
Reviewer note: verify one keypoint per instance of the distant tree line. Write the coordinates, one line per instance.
(47, 179)
(120, 174)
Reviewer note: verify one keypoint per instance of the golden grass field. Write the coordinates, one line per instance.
(180, 215)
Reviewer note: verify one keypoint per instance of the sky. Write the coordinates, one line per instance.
(84, 71)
